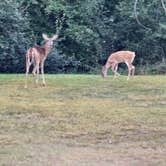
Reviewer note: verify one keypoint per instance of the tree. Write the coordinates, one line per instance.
(88, 30)
(144, 33)
(13, 39)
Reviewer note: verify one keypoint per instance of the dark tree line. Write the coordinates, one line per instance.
(89, 30)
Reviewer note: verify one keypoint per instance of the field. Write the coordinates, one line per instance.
(83, 120)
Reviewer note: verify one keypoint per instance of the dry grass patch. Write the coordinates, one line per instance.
(80, 115)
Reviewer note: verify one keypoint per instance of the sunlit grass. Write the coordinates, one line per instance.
(81, 110)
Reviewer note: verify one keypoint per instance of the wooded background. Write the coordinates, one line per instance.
(89, 30)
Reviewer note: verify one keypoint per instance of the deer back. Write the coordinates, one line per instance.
(122, 56)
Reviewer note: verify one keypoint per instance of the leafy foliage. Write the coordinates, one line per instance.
(13, 37)
(89, 31)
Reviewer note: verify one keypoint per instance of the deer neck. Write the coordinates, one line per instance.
(47, 49)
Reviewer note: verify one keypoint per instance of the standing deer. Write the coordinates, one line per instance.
(37, 56)
(119, 57)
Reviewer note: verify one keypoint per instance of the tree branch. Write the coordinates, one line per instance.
(136, 16)
(163, 5)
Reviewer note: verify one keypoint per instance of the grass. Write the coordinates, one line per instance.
(79, 120)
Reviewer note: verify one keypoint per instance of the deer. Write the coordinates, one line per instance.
(37, 55)
(115, 58)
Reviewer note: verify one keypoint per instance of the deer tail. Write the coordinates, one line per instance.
(29, 56)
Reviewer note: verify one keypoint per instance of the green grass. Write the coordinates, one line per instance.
(83, 120)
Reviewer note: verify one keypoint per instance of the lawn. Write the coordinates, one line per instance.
(83, 120)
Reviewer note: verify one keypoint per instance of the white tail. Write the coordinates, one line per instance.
(119, 57)
(37, 56)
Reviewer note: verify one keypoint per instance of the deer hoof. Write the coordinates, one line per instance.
(34, 73)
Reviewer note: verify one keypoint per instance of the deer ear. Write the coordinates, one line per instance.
(54, 37)
(45, 37)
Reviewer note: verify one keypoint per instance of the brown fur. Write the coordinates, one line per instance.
(119, 57)
(37, 56)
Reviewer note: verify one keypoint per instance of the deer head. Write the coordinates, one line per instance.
(49, 40)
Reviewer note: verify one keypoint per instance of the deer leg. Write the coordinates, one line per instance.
(42, 72)
(36, 73)
(28, 64)
(128, 66)
(129, 70)
(133, 70)
(116, 68)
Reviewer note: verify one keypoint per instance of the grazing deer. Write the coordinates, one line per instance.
(37, 56)
(119, 57)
